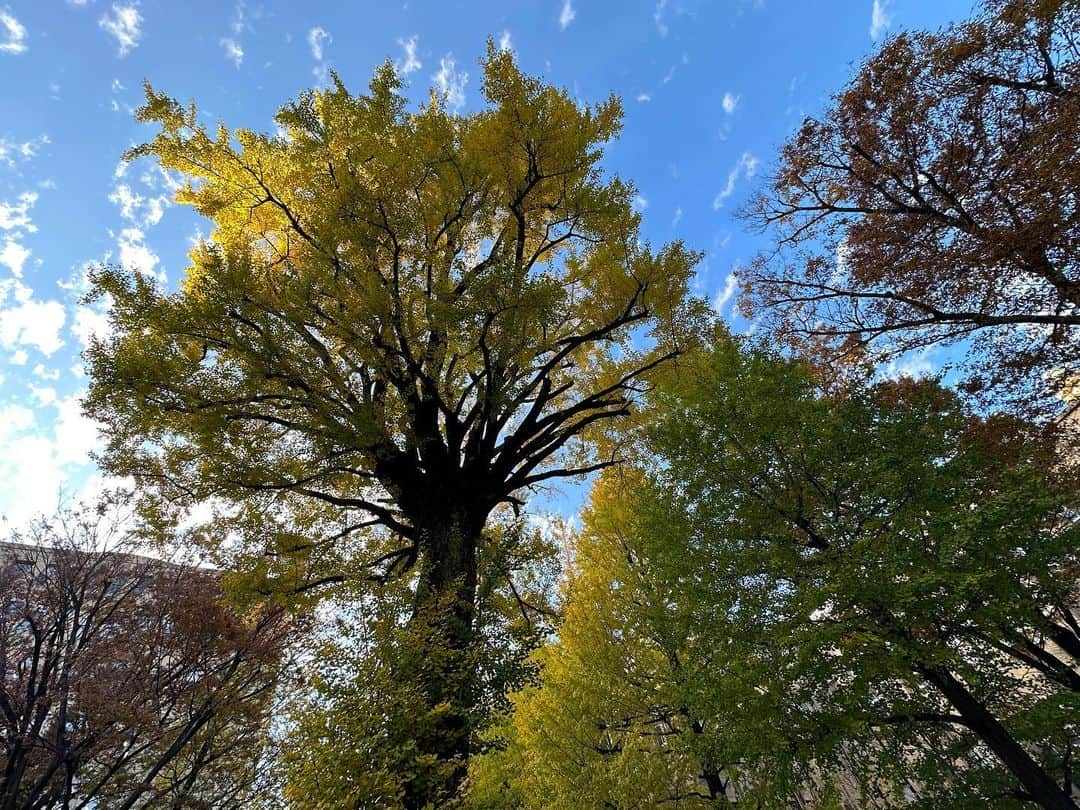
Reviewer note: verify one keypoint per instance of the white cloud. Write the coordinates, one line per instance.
(675, 220)
(12, 151)
(123, 24)
(160, 177)
(726, 293)
(143, 210)
(44, 453)
(15, 33)
(640, 202)
(136, 208)
(880, 19)
(729, 102)
(14, 256)
(26, 322)
(89, 323)
(915, 364)
(745, 167)
(411, 62)
(134, 253)
(644, 97)
(233, 52)
(316, 37)
(451, 83)
(505, 42)
(17, 214)
(15, 419)
(76, 436)
(30, 479)
(658, 17)
(43, 394)
(685, 60)
(567, 15)
(238, 23)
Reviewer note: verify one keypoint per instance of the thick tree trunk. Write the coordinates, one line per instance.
(443, 623)
(1037, 782)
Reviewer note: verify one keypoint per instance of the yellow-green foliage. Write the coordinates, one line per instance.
(599, 728)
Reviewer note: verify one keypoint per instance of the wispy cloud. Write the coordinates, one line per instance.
(685, 60)
(658, 17)
(233, 51)
(138, 208)
(11, 151)
(643, 97)
(729, 102)
(411, 62)
(880, 19)
(135, 254)
(675, 220)
(233, 47)
(14, 33)
(746, 166)
(239, 20)
(505, 42)
(315, 38)
(567, 15)
(123, 23)
(450, 82)
(916, 364)
(726, 293)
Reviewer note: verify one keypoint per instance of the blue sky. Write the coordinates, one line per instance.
(711, 90)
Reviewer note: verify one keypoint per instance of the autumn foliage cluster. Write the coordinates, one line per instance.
(127, 680)
(799, 581)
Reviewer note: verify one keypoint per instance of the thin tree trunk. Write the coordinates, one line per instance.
(1037, 782)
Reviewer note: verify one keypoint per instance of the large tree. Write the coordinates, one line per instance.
(894, 576)
(935, 202)
(353, 733)
(404, 318)
(856, 600)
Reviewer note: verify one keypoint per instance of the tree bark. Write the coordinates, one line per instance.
(443, 622)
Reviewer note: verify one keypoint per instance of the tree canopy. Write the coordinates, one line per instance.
(126, 681)
(866, 598)
(400, 320)
(797, 582)
(934, 202)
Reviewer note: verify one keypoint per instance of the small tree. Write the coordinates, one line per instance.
(404, 319)
(126, 682)
(606, 723)
(935, 202)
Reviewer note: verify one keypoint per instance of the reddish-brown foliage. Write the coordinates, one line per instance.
(127, 681)
(936, 201)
